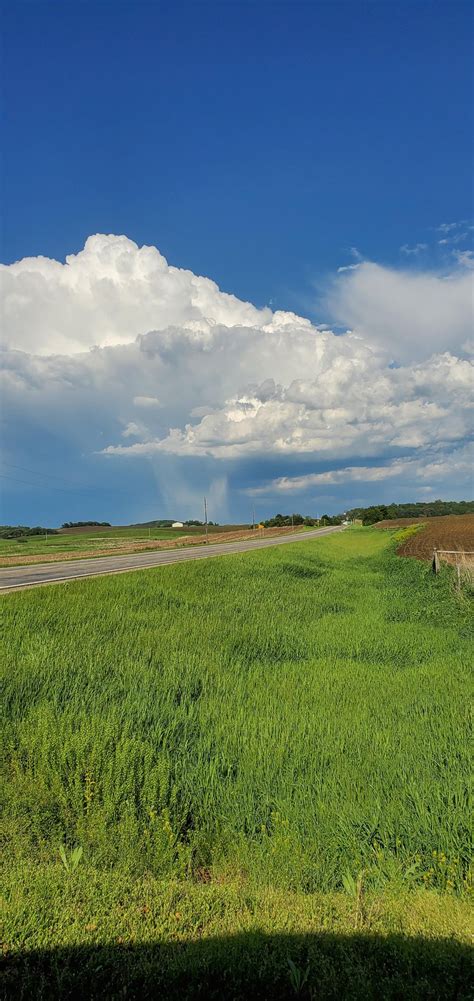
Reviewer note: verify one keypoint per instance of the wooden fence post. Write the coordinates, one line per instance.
(435, 561)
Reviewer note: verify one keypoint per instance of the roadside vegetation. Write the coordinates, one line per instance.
(248, 774)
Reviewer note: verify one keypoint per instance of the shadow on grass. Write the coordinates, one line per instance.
(254, 965)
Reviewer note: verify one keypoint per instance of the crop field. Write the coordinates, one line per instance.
(56, 548)
(72, 542)
(454, 532)
(240, 777)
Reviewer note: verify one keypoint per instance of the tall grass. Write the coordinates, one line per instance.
(297, 715)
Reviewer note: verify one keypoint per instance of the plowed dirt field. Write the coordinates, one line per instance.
(449, 532)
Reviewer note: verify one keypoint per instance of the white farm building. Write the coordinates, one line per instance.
(177, 524)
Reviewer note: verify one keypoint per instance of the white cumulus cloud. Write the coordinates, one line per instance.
(106, 295)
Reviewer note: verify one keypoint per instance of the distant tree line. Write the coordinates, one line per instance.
(286, 520)
(196, 524)
(23, 532)
(86, 524)
(377, 512)
(419, 509)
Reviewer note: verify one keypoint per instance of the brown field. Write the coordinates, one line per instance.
(451, 532)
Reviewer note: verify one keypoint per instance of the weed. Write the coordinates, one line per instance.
(70, 864)
(298, 976)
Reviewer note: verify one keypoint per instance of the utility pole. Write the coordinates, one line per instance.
(253, 519)
(292, 525)
(205, 518)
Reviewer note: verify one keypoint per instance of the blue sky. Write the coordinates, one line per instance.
(264, 145)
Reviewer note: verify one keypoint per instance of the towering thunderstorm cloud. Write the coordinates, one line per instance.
(133, 358)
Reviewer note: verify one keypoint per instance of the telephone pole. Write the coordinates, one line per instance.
(205, 518)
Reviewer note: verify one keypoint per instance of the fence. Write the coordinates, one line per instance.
(463, 561)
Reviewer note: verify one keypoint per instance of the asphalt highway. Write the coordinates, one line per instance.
(14, 578)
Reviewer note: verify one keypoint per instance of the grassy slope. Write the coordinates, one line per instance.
(243, 734)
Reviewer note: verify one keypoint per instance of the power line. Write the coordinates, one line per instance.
(73, 488)
(24, 469)
(29, 483)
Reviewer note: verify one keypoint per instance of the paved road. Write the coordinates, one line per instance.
(12, 578)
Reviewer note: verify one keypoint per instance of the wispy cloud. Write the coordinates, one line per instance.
(303, 484)
(454, 232)
(464, 257)
(432, 467)
(356, 254)
(413, 251)
(450, 227)
(146, 401)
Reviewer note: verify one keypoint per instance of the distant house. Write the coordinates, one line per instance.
(177, 524)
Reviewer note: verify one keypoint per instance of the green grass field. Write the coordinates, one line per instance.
(262, 760)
